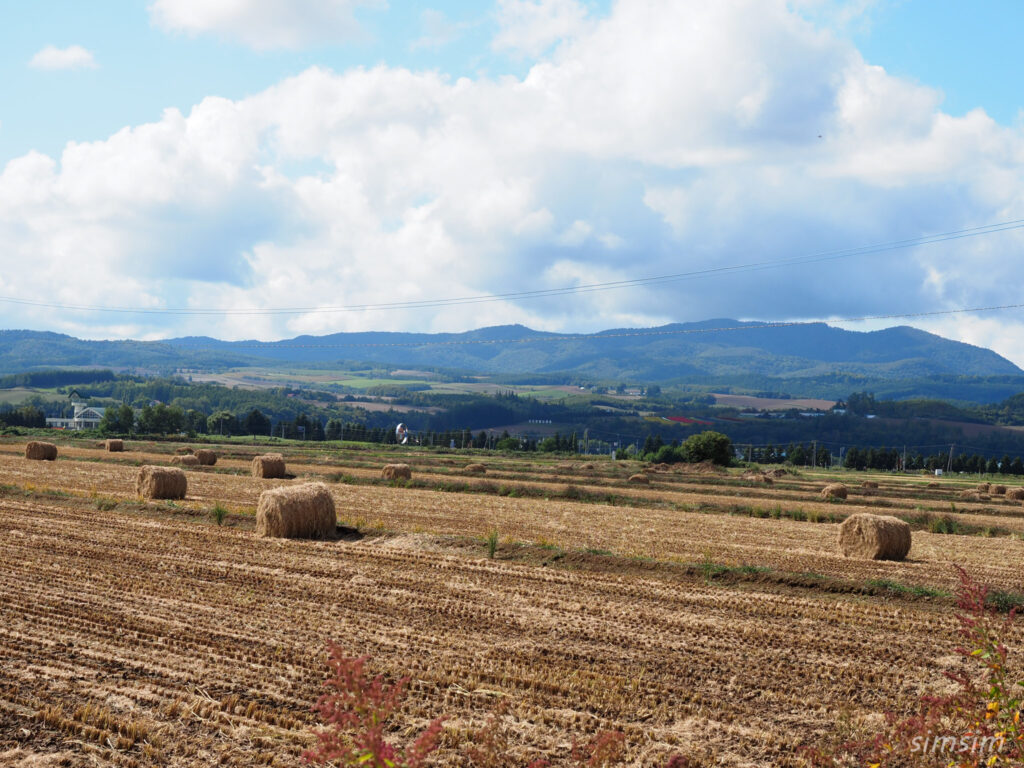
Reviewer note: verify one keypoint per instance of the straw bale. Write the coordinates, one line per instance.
(114, 446)
(983, 487)
(756, 476)
(639, 478)
(874, 537)
(206, 457)
(834, 491)
(185, 460)
(475, 469)
(161, 483)
(184, 451)
(296, 512)
(1015, 493)
(997, 490)
(268, 465)
(396, 471)
(39, 451)
(869, 485)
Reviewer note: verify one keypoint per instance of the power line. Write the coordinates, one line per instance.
(548, 292)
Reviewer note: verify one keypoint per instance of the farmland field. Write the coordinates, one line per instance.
(699, 614)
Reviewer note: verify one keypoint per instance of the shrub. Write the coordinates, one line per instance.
(356, 710)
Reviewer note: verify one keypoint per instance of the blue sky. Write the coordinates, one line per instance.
(228, 157)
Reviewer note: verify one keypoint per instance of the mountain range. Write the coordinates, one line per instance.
(720, 348)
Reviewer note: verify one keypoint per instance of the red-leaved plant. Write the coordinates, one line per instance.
(356, 710)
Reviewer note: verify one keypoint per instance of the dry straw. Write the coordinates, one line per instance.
(874, 537)
(639, 478)
(754, 476)
(296, 512)
(396, 471)
(475, 469)
(983, 487)
(187, 460)
(184, 451)
(161, 483)
(997, 490)
(206, 457)
(38, 451)
(268, 465)
(114, 446)
(834, 491)
(1015, 493)
(869, 485)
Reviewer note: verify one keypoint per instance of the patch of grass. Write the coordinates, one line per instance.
(218, 513)
(1005, 602)
(492, 543)
(105, 505)
(596, 551)
(890, 585)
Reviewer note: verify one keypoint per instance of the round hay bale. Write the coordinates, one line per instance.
(834, 491)
(1016, 494)
(983, 487)
(933, 485)
(874, 537)
(396, 471)
(869, 485)
(161, 483)
(114, 446)
(997, 490)
(296, 512)
(969, 495)
(184, 451)
(776, 473)
(185, 460)
(207, 458)
(269, 465)
(586, 465)
(39, 451)
(640, 478)
(475, 469)
(754, 476)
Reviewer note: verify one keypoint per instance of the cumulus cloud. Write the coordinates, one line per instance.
(666, 138)
(264, 24)
(437, 30)
(530, 27)
(72, 57)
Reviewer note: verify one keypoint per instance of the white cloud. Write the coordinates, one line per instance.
(72, 57)
(665, 138)
(530, 27)
(437, 30)
(264, 24)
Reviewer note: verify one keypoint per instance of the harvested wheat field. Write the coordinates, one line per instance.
(135, 633)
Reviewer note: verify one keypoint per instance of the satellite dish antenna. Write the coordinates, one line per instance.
(402, 434)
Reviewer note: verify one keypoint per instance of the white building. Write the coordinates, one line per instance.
(85, 417)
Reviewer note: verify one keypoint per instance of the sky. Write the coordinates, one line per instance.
(260, 169)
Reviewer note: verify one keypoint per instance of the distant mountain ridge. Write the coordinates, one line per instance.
(667, 353)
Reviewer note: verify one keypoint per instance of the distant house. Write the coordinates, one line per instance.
(85, 417)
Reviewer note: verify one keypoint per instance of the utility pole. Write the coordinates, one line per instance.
(814, 454)
(949, 465)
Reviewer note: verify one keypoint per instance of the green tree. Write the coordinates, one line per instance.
(222, 423)
(256, 423)
(118, 420)
(708, 446)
